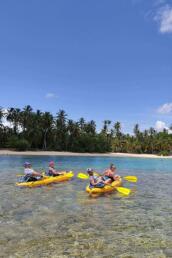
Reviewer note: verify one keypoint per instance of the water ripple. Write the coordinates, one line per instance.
(63, 221)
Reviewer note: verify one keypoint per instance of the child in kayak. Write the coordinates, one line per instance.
(52, 171)
(30, 173)
(110, 175)
(95, 181)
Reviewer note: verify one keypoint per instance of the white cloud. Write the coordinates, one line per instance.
(4, 120)
(50, 95)
(160, 126)
(165, 108)
(7, 123)
(4, 111)
(164, 19)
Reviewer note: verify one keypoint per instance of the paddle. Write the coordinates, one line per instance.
(43, 174)
(82, 176)
(123, 190)
(70, 174)
(132, 179)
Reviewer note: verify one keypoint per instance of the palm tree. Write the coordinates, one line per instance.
(106, 124)
(14, 117)
(152, 132)
(82, 124)
(61, 130)
(26, 117)
(90, 127)
(73, 129)
(117, 129)
(1, 115)
(33, 133)
(136, 130)
(117, 143)
(1, 127)
(46, 126)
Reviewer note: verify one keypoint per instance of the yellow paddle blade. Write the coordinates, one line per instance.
(70, 174)
(19, 175)
(123, 190)
(132, 179)
(82, 176)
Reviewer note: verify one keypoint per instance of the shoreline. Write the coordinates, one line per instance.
(63, 153)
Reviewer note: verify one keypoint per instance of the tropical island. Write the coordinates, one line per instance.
(29, 130)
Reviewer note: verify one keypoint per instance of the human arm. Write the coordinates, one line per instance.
(92, 181)
(35, 173)
(31, 172)
(52, 171)
(96, 180)
(61, 172)
(55, 172)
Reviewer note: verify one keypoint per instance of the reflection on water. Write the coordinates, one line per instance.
(63, 221)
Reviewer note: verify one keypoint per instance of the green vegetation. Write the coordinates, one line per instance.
(41, 131)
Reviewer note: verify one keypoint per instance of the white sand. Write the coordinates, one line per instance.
(57, 153)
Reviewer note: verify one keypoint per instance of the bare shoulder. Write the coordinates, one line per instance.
(106, 171)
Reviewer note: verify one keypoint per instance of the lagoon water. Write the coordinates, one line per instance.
(62, 221)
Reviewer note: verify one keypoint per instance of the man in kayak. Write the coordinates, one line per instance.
(52, 171)
(95, 181)
(110, 175)
(30, 173)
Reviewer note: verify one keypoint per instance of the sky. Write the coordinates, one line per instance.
(95, 59)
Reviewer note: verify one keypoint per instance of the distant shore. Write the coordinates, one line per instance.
(62, 153)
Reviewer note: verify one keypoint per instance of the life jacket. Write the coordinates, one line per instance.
(99, 185)
(30, 178)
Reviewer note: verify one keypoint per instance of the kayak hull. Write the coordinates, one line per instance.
(48, 180)
(105, 189)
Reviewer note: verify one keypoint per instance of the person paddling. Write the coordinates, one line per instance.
(52, 171)
(95, 181)
(110, 175)
(30, 173)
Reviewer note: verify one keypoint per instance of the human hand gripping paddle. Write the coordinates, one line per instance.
(70, 174)
(42, 174)
(122, 190)
(132, 179)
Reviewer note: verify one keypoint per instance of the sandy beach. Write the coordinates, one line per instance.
(57, 153)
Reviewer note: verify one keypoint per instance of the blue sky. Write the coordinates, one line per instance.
(94, 59)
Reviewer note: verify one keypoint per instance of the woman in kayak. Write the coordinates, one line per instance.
(110, 175)
(95, 181)
(30, 173)
(52, 171)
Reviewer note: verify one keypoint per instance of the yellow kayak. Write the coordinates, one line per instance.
(48, 180)
(105, 189)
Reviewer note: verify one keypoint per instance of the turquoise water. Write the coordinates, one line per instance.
(61, 220)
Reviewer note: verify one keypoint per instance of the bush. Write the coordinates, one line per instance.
(18, 144)
(164, 153)
(12, 141)
(22, 145)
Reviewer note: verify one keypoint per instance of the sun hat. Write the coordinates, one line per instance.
(27, 163)
(51, 163)
(89, 170)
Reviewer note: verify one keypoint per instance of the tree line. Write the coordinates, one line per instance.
(37, 130)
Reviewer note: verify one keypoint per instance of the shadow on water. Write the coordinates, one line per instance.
(62, 220)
